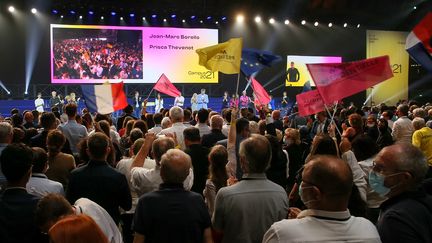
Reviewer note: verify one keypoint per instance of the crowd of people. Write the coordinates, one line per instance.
(347, 175)
(97, 59)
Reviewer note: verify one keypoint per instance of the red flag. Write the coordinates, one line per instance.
(165, 86)
(260, 93)
(336, 81)
(309, 103)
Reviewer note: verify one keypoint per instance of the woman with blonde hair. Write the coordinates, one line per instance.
(76, 229)
(194, 102)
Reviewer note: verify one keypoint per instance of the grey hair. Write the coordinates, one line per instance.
(418, 123)
(6, 130)
(176, 114)
(413, 160)
(256, 150)
(419, 112)
(166, 121)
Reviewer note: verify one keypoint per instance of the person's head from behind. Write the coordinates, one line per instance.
(326, 183)
(6, 132)
(218, 159)
(16, 162)
(175, 166)
(50, 209)
(128, 110)
(418, 123)
(191, 136)
(419, 112)
(17, 120)
(364, 147)
(136, 146)
(276, 115)
(135, 134)
(324, 144)
(398, 168)
(55, 141)
(48, 121)
(40, 160)
(216, 122)
(292, 136)
(75, 229)
(176, 114)
(157, 118)
(98, 146)
(160, 146)
(166, 122)
(71, 110)
(402, 110)
(242, 127)
(103, 127)
(18, 135)
(29, 117)
(255, 154)
(140, 124)
(203, 115)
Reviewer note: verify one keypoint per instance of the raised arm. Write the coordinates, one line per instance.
(231, 144)
(144, 151)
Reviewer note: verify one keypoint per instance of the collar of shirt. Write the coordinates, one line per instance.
(71, 121)
(97, 163)
(171, 186)
(39, 175)
(415, 195)
(254, 176)
(177, 124)
(340, 215)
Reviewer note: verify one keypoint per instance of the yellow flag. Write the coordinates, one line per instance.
(224, 57)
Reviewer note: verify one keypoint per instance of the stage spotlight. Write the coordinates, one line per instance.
(131, 15)
(91, 12)
(240, 18)
(143, 18)
(11, 9)
(271, 20)
(193, 17)
(257, 19)
(184, 21)
(345, 25)
(224, 18)
(201, 21)
(330, 25)
(34, 10)
(316, 23)
(113, 13)
(415, 7)
(54, 11)
(303, 22)
(80, 17)
(121, 18)
(358, 26)
(61, 16)
(72, 12)
(286, 22)
(102, 17)
(164, 20)
(209, 17)
(154, 16)
(217, 22)
(173, 16)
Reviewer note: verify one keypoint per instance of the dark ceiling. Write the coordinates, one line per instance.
(388, 14)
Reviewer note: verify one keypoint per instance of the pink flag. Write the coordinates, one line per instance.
(309, 103)
(165, 86)
(261, 94)
(336, 81)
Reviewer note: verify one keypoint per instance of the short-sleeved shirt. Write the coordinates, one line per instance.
(171, 214)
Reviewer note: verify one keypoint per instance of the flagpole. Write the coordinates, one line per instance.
(238, 81)
(149, 93)
(332, 120)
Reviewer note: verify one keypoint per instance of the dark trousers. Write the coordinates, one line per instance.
(126, 224)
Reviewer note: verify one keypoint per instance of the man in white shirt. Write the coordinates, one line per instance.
(73, 131)
(54, 207)
(39, 184)
(147, 180)
(157, 119)
(325, 190)
(39, 103)
(176, 116)
(179, 100)
(402, 127)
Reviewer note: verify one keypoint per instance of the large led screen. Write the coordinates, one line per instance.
(97, 54)
(297, 73)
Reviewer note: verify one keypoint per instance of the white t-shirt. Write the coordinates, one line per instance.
(39, 104)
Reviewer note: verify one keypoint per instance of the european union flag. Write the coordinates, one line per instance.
(254, 60)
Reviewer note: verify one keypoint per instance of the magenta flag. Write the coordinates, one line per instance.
(165, 86)
(261, 94)
(335, 81)
(309, 103)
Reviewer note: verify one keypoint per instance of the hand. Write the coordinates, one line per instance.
(231, 181)
(293, 212)
(149, 138)
(234, 114)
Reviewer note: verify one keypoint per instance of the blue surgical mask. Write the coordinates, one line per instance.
(376, 182)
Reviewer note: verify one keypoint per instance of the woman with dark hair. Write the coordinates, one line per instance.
(76, 229)
(218, 158)
(59, 164)
(142, 125)
(123, 128)
(365, 149)
(384, 138)
(277, 172)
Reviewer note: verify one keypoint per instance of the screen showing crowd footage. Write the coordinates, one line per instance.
(297, 74)
(88, 54)
(132, 54)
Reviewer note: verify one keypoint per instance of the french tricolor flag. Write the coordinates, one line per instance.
(419, 43)
(105, 98)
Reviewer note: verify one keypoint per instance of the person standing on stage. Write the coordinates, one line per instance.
(284, 102)
(271, 104)
(293, 74)
(39, 103)
(54, 100)
(244, 100)
(194, 102)
(234, 102)
(202, 100)
(137, 104)
(179, 101)
(158, 103)
(225, 100)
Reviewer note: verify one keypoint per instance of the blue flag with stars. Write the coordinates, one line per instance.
(254, 60)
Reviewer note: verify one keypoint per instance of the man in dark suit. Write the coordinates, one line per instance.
(99, 182)
(127, 111)
(16, 205)
(320, 125)
(198, 154)
(215, 135)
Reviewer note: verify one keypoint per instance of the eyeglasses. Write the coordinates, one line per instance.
(381, 169)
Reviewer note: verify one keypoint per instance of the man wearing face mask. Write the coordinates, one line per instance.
(325, 190)
(406, 216)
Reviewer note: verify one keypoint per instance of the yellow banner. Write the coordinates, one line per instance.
(224, 57)
(391, 43)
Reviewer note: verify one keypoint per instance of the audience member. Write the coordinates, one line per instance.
(177, 127)
(73, 131)
(203, 116)
(215, 135)
(402, 127)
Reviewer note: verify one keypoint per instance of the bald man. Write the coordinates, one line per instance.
(398, 173)
(172, 214)
(215, 135)
(325, 190)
